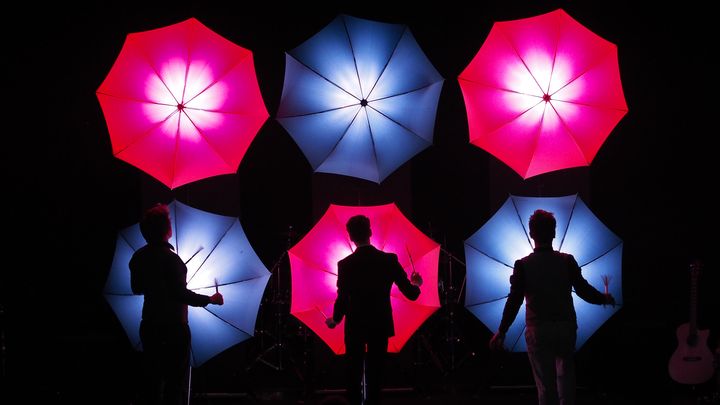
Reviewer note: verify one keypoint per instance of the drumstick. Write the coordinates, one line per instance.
(216, 287)
(411, 260)
(606, 281)
(194, 254)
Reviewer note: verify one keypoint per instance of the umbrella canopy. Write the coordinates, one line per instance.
(215, 250)
(360, 98)
(313, 263)
(543, 93)
(182, 103)
(491, 252)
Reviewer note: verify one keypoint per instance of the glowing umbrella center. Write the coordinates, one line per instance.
(180, 107)
(546, 98)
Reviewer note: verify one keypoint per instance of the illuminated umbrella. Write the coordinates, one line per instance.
(543, 93)
(359, 98)
(313, 263)
(182, 103)
(491, 252)
(215, 250)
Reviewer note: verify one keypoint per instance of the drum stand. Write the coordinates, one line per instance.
(446, 362)
(276, 356)
(451, 301)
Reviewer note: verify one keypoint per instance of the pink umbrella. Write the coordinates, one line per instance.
(182, 103)
(313, 263)
(543, 93)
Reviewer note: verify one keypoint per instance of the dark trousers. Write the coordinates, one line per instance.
(551, 349)
(372, 364)
(166, 359)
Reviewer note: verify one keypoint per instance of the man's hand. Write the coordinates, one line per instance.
(330, 323)
(416, 279)
(497, 342)
(609, 300)
(217, 299)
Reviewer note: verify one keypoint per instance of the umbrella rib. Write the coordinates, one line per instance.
(403, 93)
(122, 235)
(372, 139)
(187, 70)
(228, 283)
(572, 212)
(176, 150)
(587, 69)
(326, 79)
(494, 87)
(149, 62)
(320, 112)
(523, 62)
(591, 105)
(120, 294)
(554, 59)
(491, 301)
(396, 122)
(517, 339)
(391, 119)
(352, 52)
(226, 322)
(318, 267)
(343, 136)
(567, 128)
(149, 130)
(537, 138)
(220, 77)
(540, 100)
(522, 222)
(212, 250)
(603, 254)
(490, 257)
(387, 62)
(144, 102)
(207, 140)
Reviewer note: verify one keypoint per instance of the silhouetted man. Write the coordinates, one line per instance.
(365, 278)
(158, 273)
(545, 280)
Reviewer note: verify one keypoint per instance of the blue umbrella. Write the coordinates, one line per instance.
(492, 250)
(215, 250)
(360, 98)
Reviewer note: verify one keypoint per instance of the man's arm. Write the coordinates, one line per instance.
(512, 305)
(407, 288)
(341, 302)
(515, 297)
(583, 289)
(178, 287)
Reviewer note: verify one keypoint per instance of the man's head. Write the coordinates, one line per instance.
(155, 224)
(542, 226)
(358, 228)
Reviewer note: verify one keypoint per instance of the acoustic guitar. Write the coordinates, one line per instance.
(692, 362)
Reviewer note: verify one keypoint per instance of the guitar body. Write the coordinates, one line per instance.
(692, 362)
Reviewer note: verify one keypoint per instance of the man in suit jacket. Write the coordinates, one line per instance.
(365, 278)
(545, 280)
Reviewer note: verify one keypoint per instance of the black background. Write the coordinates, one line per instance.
(66, 196)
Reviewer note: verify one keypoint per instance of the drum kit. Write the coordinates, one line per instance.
(277, 333)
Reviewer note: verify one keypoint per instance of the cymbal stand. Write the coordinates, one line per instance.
(278, 299)
(451, 301)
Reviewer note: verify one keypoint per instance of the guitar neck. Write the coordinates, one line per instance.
(694, 274)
